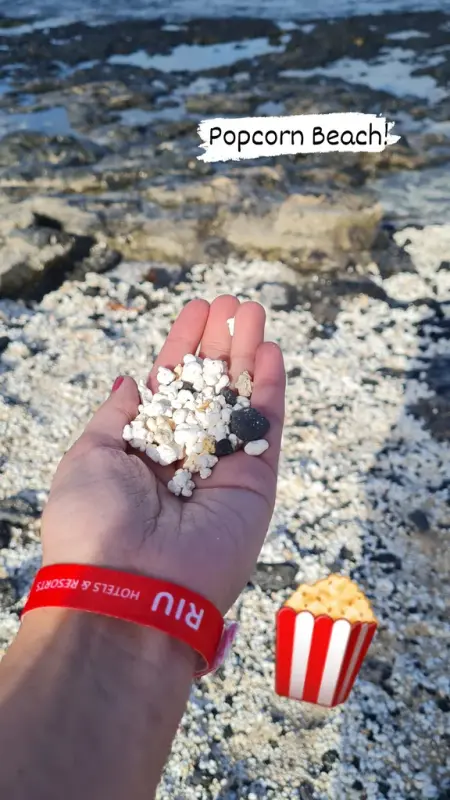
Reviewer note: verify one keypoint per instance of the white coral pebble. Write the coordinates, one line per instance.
(165, 376)
(183, 423)
(152, 452)
(167, 454)
(257, 447)
(221, 383)
(127, 433)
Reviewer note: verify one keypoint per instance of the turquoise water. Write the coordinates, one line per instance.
(52, 12)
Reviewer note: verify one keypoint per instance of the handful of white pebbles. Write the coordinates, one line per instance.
(196, 417)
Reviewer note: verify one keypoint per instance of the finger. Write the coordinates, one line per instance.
(269, 385)
(107, 424)
(184, 337)
(216, 340)
(248, 335)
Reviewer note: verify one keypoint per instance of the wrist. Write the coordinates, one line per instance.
(144, 649)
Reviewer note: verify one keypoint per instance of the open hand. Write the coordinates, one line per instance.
(109, 505)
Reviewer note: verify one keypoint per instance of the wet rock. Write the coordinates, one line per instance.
(303, 231)
(223, 448)
(273, 577)
(219, 189)
(42, 241)
(23, 265)
(217, 104)
(248, 424)
(22, 147)
(167, 240)
(279, 296)
(45, 212)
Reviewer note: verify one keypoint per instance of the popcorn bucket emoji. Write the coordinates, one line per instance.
(323, 633)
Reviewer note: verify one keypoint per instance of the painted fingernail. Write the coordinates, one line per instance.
(118, 382)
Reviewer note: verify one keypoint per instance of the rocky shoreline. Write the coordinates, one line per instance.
(109, 224)
(119, 164)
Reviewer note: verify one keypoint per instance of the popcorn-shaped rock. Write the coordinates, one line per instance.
(168, 391)
(165, 376)
(180, 415)
(210, 378)
(127, 433)
(189, 359)
(199, 384)
(248, 424)
(191, 372)
(184, 396)
(139, 444)
(257, 447)
(220, 432)
(145, 393)
(152, 452)
(221, 383)
(242, 402)
(163, 436)
(234, 441)
(167, 454)
(208, 444)
(226, 415)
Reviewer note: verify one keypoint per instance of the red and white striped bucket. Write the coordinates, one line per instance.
(318, 658)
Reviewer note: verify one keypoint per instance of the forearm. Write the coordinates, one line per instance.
(88, 707)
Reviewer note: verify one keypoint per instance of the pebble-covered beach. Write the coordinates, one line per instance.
(109, 225)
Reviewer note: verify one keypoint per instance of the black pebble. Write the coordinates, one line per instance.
(223, 448)
(230, 396)
(328, 759)
(248, 424)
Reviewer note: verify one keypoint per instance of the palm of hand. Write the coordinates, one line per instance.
(111, 507)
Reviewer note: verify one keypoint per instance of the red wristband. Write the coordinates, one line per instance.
(160, 604)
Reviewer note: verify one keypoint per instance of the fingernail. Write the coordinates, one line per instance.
(118, 382)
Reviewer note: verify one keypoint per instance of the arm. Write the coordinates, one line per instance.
(90, 706)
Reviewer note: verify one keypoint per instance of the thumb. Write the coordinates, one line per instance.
(107, 424)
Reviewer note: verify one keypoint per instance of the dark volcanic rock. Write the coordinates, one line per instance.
(223, 448)
(230, 396)
(248, 424)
